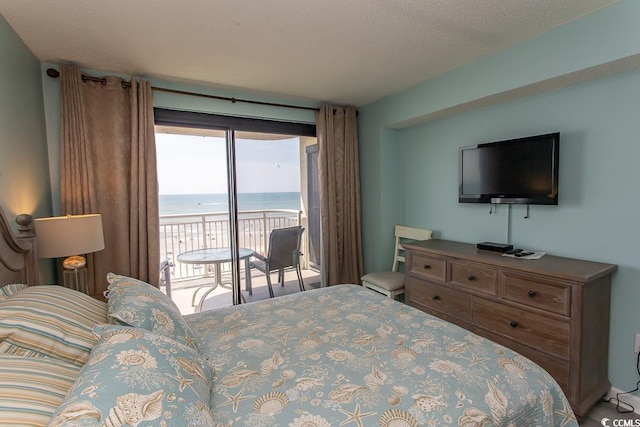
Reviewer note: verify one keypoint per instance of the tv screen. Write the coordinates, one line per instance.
(523, 170)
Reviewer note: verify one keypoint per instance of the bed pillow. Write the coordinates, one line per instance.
(8, 290)
(133, 302)
(137, 378)
(32, 389)
(50, 320)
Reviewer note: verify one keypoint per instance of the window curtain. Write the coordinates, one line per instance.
(108, 166)
(339, 195)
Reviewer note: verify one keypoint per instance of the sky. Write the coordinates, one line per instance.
(189, 164)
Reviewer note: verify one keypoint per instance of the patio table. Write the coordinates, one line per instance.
(215, 256)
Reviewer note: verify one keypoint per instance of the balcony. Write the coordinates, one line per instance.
(187, 232)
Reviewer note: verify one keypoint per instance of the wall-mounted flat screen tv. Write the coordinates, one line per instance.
(523, 171)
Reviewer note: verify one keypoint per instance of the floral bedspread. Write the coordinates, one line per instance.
(346, 356)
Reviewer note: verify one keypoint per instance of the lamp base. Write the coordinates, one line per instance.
(76, 279)
(74, 262)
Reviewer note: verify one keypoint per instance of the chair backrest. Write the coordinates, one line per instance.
(165, 274)
(284, 247)
(403, 234)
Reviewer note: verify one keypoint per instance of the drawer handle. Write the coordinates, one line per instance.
(427, 267)
(531, 293)
(471, 277)
(513, 324)
(436, 298)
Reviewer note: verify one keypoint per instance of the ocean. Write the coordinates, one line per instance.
(175, 204)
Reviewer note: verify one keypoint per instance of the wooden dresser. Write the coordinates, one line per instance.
(553, 310)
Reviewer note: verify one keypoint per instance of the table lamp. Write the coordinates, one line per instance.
(70, 236)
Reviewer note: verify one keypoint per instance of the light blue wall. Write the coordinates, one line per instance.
(24, 183)
(410, 171)
(24, 173)
(598, 176)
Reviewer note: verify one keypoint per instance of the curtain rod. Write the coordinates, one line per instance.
(53, 73)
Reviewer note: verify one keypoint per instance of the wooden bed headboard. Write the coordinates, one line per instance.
(18, 261)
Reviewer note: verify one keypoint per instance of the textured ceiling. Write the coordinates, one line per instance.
(344, 52)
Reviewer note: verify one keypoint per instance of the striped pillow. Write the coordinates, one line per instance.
(31, 389)
(7, 290)
(52, 320)
(13, 350)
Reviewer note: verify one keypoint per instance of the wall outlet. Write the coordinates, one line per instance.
(637, 346)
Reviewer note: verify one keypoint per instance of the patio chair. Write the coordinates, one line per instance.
(165, 274)
(284, 252)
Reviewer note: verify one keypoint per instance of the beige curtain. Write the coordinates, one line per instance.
(339, 195)
(108, 166)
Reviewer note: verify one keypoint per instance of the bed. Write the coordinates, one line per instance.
(336, 356)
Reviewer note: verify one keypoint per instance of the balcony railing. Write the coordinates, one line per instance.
(188, 232)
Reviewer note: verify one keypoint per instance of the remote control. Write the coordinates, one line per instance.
(521, 254)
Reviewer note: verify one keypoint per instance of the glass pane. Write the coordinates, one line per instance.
(272, 194)
(194, 217)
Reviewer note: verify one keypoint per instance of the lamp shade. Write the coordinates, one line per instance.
(69, 235)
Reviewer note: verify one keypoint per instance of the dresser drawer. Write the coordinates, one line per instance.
(558, 368)
(439, 298)
(428, 267)
(530, 329)
(474, 278)
(545, 295)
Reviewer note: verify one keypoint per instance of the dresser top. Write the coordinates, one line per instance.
(564, 268)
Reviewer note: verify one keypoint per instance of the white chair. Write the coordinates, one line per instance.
(391, 283)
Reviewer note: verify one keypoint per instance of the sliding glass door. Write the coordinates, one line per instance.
(225, 185)
(194, 213)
